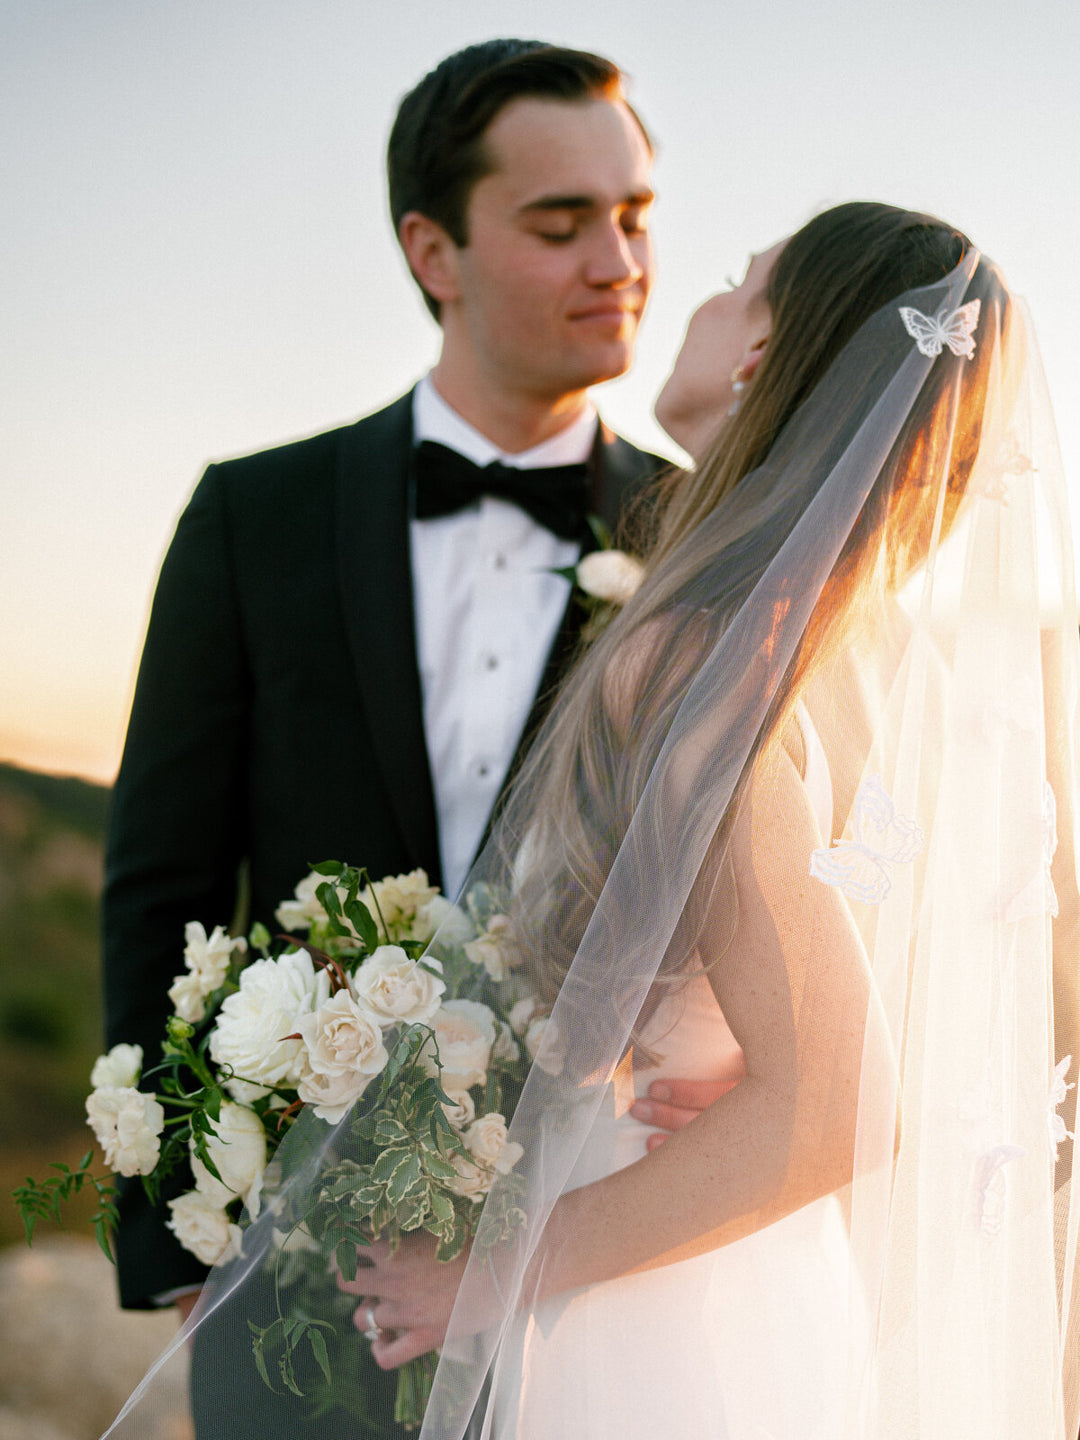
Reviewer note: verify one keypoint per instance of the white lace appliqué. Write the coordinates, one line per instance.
(860, 867)
(954, 328)
(1038, 897)
(1016, 712)
(1058, 1091)
(990, 1156)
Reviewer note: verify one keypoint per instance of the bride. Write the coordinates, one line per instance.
(803, 820)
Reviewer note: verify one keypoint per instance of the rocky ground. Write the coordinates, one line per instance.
(68, 1355)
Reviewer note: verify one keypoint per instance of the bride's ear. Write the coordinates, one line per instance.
(431, 255)
(751, 359)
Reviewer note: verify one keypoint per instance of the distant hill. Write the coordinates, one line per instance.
(51, 848)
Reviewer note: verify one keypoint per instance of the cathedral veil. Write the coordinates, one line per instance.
(915, 601)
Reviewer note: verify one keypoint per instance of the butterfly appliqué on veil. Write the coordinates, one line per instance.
(954, 328)
(882, 838)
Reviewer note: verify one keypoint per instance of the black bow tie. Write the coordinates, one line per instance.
(556, 497)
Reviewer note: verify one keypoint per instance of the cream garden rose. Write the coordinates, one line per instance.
(397, 990)
(305, 908)
(127, 1125)
(542, 1044)
(203, 1227)
(344, 1053)
(439, 914)
(490, 1154)
(207, 959)
(238, 1150)
(121, 1067)
(400, 899)
(254, 1025)
(465, 1033)
(610, 575)
(497, 949)
(522, 1013)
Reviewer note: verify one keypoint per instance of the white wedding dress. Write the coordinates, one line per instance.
(717, 1347)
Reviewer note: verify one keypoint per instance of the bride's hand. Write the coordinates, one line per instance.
(407, 1295)
(671, 1104)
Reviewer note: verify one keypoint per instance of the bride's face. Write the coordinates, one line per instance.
(725, 339)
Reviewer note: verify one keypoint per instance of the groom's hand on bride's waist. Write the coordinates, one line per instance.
(671, 1104)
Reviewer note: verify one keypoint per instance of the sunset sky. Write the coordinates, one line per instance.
(197, 260)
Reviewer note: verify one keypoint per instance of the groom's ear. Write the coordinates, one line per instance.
(431, 255)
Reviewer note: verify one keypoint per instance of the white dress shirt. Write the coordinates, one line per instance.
(487, 611)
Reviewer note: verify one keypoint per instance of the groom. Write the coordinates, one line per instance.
(351, 633)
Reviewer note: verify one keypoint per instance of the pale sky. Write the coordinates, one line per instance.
(197, 260)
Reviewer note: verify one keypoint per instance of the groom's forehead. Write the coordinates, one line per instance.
(533, 143)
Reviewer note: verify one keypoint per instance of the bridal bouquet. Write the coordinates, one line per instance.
(425, 1056)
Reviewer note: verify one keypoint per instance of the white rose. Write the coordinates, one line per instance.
(489, 1154)
(542, 1043)
(203, 1228)
(497, 949)
(522, 1013)
(471, 1182)
(120, 1068)
(440, 916)
(505, 1047)
(398, 898)
(333, 1096)
(610, 575)
(461, 1111)
(465, 1033)
(305, 908)
(238, 1149)
(209, 958)
(343, 1038)
(399, 991)
(486, 1142)
(252, 1026)
(127, 1124)
(188, 1000)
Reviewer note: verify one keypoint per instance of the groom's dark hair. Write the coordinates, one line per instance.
(436, 152)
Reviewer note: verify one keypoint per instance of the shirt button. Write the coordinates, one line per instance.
(491, 662)
(483, 769)
(498, 562)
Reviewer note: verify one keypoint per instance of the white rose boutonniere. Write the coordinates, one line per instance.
(610, 575)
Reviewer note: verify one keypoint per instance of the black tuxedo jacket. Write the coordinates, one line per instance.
(277, 721)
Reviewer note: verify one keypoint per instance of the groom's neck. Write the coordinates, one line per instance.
(513, 418)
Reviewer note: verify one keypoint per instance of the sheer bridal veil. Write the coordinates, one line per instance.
(898, 569)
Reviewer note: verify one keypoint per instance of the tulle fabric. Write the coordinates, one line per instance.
(906, 1263)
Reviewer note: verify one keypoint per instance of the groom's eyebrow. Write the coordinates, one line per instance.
(645, 196)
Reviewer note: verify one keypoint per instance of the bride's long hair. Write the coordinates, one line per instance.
(719, 529)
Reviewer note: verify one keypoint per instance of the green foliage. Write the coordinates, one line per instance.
(42, 1200)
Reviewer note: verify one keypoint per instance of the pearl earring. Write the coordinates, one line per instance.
(738, 385)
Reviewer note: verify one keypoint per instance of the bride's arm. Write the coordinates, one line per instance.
(794, 987)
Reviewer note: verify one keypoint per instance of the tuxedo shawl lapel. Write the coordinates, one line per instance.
(375, 581)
